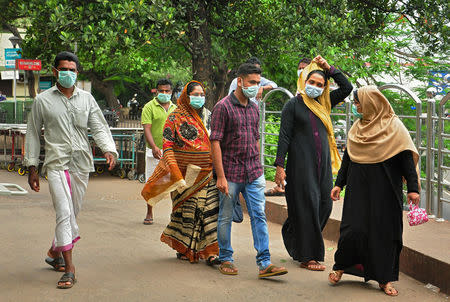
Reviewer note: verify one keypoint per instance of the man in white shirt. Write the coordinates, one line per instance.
(66, 113)
(265, 84)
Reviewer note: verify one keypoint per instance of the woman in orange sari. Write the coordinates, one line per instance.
(185, 172)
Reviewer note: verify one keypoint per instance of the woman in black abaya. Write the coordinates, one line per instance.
(380, 154)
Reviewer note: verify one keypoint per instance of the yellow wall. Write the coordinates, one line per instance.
(22, 89)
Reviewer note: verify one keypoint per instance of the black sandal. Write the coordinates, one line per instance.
(67, 277)
(181, 256)
(57, 263)
(213, 260)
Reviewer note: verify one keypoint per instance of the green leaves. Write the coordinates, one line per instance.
(364, 38)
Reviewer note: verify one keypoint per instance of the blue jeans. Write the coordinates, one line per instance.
(254, 197)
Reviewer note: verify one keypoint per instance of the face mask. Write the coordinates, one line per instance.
(163, 98)
(355, 112)
(197, 102)
(313, 91)
(251, 91)
(67, 78)
(299, 72)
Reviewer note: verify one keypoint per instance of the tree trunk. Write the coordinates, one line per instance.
(31, 83)
(220, 80)
(199, 34)
(106, 88)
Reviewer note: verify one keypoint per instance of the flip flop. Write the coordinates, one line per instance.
(57, 263)
(67, 277)
(270, 271)
(229, 265)
(213, 260)
(313, 266)
(148, 221)
(273, 192)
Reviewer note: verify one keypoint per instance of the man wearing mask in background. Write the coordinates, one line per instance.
(235, 153)
(66, 112)
(154, 115)
(301, 65)
(265, 84)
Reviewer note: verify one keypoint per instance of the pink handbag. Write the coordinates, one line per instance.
(416, 215)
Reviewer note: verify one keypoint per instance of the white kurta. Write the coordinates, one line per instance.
(68, 155)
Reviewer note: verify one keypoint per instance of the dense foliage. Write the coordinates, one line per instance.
(125, 46)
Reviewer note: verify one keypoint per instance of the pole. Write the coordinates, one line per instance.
(14, 95)
(348, 110)
(39, 82)
(430, 158)
(25, 83)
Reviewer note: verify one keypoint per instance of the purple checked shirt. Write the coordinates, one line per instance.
(236, 127)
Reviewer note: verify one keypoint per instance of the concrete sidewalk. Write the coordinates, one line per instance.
(120, 259)
(425, 255)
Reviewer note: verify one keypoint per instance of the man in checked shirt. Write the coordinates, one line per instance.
(235, 151)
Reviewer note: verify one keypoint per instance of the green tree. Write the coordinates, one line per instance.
(113, 38)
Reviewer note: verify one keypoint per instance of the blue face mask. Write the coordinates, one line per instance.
(313, 91)
(163, 98)
(67, 78)
(197, 102)
(251, 91)
(356, 113)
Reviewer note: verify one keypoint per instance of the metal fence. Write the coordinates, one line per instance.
(263, 132)
(442, 152)
(430, 144)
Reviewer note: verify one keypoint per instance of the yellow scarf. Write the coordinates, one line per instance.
(322, 109)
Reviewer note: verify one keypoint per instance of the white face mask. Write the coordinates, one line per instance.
(299, 72)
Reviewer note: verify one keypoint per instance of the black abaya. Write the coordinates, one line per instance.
(308, 174)
(371, 229)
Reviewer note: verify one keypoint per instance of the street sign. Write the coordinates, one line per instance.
(9, 75)
(11, 54)
(23, 64)
(440, 80)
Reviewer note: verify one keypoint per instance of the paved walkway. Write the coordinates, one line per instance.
(120, 259)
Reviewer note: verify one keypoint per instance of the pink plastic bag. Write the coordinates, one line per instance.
(416, 215)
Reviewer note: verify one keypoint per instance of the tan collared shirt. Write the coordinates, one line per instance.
(66, 122)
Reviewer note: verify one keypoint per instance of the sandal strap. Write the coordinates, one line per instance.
(67, 277)
(228, 265)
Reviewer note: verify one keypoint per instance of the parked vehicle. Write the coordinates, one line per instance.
(111, 117)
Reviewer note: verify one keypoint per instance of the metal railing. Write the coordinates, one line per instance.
(336, 125)
(425, 145)
(442, 118)
(263, 123)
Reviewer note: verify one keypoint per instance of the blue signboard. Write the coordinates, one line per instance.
(11, 54)
(440, 80)
(44, 85)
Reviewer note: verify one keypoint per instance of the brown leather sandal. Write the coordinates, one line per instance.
(313, 266)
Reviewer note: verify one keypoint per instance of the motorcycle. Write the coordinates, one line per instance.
(111, 117)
